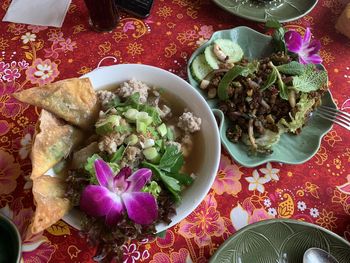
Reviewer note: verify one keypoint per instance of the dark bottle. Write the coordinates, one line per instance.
(104, 15)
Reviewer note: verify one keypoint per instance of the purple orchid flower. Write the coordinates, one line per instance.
(306, 48)
(120, 193)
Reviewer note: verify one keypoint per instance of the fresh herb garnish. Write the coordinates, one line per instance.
(280, 84)
(152, 188)
(311, 80)
(292, 68)
(89, 167)
(278, 35)
(172, 159)
(271, 79)
(118, 155)
(251, 68)
(133, 102)
(233, 73)
(153, 112)
(168, 171)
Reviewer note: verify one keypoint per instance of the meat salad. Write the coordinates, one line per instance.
(261, 98)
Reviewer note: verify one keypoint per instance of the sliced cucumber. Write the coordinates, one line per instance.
(200, 67)
(210, 57)
(228, 47)
(231, 49)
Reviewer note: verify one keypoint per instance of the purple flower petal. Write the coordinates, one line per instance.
(120, 185)
(307, 36)
(116, 211)
(141, 207)
(315, 59)
(96, 200)
(293, 40)
(138, 179)
(104, 173)
(302, 61)
(314, 47)
(125, 171)
(306, 49)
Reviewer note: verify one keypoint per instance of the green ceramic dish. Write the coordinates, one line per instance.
(281, 10)
(290, 149)
(10, 241)
(271, 240)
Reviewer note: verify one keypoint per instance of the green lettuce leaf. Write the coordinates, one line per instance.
(89, 167)
(304, 107)
(292, 68)
(268, 139)
(312, 79)
(271, 79)
(152, 188)
(280, 84)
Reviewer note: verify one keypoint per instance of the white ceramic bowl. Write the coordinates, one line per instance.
(108, 76)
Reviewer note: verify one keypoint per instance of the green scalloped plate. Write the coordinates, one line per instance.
(272, 240)
(290, 149)
(281, 10)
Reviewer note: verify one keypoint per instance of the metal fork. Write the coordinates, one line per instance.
(337, 116)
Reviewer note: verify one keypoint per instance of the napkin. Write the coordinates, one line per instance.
(37, 12)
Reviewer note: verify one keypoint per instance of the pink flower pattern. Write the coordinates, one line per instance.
(206, 31)
(204, 223)
(68, 45)
(59, 44)
(42, 72)
(3, 66)
(248, 214)
(130, 253)
(9, 106)
(51, 52)
(174, 257)
(55, 37)
(9, 172)
(11, 74)
(16, 29)
(23, 64)
(227, 178)
(36, 29)
(4, 127)
(128, 26)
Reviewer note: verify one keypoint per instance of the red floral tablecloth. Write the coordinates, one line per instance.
(34, 55)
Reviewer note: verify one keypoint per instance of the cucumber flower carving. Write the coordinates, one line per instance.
(306, 48)
(116, 194)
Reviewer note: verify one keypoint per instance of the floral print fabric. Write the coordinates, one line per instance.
(317, 191)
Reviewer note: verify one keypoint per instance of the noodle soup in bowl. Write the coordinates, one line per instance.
(205, 155)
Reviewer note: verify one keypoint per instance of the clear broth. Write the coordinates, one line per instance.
(195, 158)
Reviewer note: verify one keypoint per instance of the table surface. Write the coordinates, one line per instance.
(166, 39)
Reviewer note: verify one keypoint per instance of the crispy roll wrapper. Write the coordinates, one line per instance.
(50, 203)
(343, 22)
(53, 141)
(73, 100)
(80, 157)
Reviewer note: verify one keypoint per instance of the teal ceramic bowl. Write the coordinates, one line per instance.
(279, 240)
(10, 241)
(281, 10)
(291, 149)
